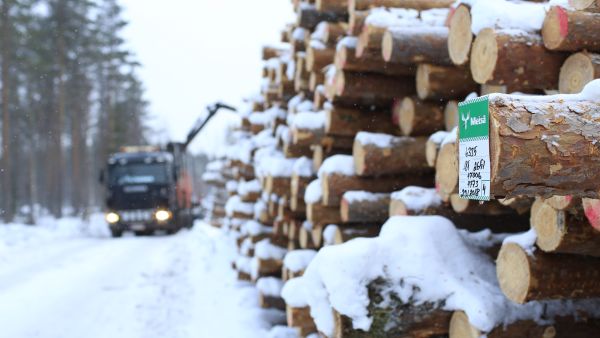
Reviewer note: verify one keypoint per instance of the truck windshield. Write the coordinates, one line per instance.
(138, 173)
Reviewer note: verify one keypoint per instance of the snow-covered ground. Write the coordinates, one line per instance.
(69, 279)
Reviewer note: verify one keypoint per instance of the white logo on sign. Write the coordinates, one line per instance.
(466, 119)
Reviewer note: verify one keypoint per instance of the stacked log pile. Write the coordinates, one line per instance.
(356, 122)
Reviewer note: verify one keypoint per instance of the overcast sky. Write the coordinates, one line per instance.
(195, 52)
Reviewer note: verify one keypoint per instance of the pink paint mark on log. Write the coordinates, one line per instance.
(569, 198)
(592, 212)
(563, 21)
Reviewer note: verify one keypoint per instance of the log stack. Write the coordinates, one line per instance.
(357, 119)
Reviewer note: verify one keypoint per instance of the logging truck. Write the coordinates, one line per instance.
(148, 188)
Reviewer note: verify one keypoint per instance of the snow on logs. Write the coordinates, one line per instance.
(566, 30)
(381, 154)
(545, 145)
(401, 261)
(517, 60)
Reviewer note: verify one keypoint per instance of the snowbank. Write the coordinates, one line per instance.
(424, 259)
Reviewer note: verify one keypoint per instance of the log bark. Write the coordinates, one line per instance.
(543, 276)
(269, 267)
(348, 122)
(422, 44)
(334, 185)
(369, 40)
(517, 61)
(443, 83)
(300, 318)
(420, 118)
(307, 137)
(356, 21)
(503, 223)
(370, 89)
(460, 36)
(318, 58)
(291, 150)
(403, 155)
(270, 302)
(373, 209)
(446, 171)
(370, 61)
(572, 31)
(394, 318)
(586, 5)
(560, 231)
(347, 232)
(316, 213)
(309, 17)
(578, 70)
(337, 6)
(279, 186)
(460, 327)
(543, 147)
(333, 31)
(420, 5)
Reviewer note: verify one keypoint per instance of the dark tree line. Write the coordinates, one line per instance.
(69, 96)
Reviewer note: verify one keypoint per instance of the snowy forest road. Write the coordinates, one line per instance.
(163, 286)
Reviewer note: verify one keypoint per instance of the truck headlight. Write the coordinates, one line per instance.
(112, 217)
(162, 215)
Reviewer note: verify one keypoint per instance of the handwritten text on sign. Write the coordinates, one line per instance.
(474, 149)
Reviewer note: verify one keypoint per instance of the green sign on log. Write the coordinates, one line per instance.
(474, 149)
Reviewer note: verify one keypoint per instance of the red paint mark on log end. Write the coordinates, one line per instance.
(592, 212)
(563, 21)
(569, 198)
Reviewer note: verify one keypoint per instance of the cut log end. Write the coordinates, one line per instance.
(451, 115)
(586, 5)
(446, 173)
(431, 151)
(358, 154)
(387, 44)
(484, 56)
(575, 73)
(460, 327)
(547, 227)
(460, 36)
(422, 81)
(513, 272)
(555, 28)
(407, 115)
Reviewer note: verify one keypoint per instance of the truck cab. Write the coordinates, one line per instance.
(140, 192)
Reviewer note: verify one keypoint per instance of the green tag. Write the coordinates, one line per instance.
(474, 149)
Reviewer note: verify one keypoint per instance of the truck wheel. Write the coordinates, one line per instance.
(116, 233)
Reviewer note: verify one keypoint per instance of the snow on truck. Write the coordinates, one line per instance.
(148, 188)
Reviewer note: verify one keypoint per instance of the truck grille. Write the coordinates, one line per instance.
(136, 215)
